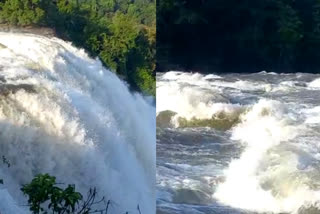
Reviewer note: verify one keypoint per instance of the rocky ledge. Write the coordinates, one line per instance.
(49, 32)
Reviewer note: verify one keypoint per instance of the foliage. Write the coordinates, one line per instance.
(145, 80)
(44, 196)
(121, 39)
(21, 12)
(248, 35)
(42, 189)
(110, 29)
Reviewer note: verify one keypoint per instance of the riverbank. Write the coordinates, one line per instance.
(214, 36)
(43, 31)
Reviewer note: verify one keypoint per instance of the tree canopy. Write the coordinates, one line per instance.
(238, 35)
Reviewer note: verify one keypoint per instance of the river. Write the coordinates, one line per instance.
(238, 143)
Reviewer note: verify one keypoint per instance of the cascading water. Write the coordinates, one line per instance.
(62, 113)
(251, 143)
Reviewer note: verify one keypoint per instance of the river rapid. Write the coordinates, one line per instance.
(238, 143)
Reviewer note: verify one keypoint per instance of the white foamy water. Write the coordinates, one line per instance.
(192, 96)
(315, 83)
(268, 161)
(63, 113)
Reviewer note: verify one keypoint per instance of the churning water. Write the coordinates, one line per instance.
(238, 143)
(62, 113)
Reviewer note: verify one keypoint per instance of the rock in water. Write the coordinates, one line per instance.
(2, 46)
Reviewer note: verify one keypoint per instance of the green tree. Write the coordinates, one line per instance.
(44, 196)
(43, 188)
(118, 41)
(290, 32)
(21, 12)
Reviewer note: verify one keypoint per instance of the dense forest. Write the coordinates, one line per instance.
(120, 32)
(238, 35)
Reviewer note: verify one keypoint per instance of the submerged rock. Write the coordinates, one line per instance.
(309, 210)
(220, 121)
(2, 46)
(164, 119)
(6, 89)
(188, 196)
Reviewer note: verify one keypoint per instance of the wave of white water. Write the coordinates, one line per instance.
(62, 113)
(315, 83)
(278, 171)
(269, 177)
(192, 96)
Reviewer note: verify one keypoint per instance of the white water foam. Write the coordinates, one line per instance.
(71, 118)
(268, 176)
(192, 96)
(315, 83)
(277, 172)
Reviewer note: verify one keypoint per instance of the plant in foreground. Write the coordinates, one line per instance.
(44, 196)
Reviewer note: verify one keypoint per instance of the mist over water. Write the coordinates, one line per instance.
(62, 113)
(238, 143)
